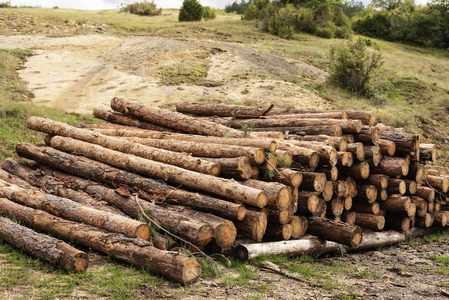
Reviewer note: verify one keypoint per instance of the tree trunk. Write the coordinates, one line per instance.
(253, 225)
(373, 153)
(440, 183)
(90, 169)
(331, 172)
(218, 186)
(428, 152)
(380, 181)
(172, 120)
(426, 193)
(416, 172)
(236, 167)
(39, 245)
(337, 142)
(396, 204)
(342, 233)
(328, 155)
(357, 150)
(278, 195)
(71, 210)
(116, 118)
(367, 208)
(313, 181)
(134, 251)
(223, 110)
(405, 142)
(392, 166)
(168, 157)
(387, 147)
(368, 134)
(366, 193)
(373, 222)
(278, 232)
(396, 186)
(360, 170)
(308, 157)
(299, 226)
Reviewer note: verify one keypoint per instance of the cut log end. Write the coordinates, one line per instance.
(259, 156)
(143, 232)
(357, 238)
(284, 198)
(241, 212)
(348, 203)
(262, 199)
(191, 270)
(215, 169)
(225, 234)
(80, 262)
(314, 160)
(296, 179)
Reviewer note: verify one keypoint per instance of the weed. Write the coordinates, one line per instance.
(247, 129)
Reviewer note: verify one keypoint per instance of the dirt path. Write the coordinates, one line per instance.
(82, 72)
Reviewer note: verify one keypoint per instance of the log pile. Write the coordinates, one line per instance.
(228, 176)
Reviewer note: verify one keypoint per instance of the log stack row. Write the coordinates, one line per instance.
(209, 181)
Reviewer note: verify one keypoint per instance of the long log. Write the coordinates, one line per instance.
(321, 115)
(236, 167)
(332, 130)
(8, 177)
(73, 211)
(223, 110)
(412, 186)
(134, 251)
(39, 245)
(373, 222)
(279, 216)
(116, 118)
(392, 166)
(337, 142)
(168, 157)
(253, 225)
(218, 186)
(342, 233)
(416, 172)
(90, 169)
(368, 134)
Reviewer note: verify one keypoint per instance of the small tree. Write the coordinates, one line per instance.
(351, 66)
(191, 10)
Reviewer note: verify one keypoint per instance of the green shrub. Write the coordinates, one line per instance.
(5, 4)
(238, 8)
(352, 66)
(252, 12)
(209, 13)
(144, 8)
(327, 31)
(305, 20)
(191, 10)
(286, 32)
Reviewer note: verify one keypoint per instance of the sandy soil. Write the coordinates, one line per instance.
(82, 72)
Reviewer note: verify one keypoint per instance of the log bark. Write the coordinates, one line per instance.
(397, 223)
(357, 150)
(405, 142)
(328, 191)
(278, 232)
(253, 225)
(308, 202)
(116, 118)
(387, 147)
(416, 172)
(396, 186)
(278, 195)
(342, 233)
(328, 155)
(367, 208)
(90, 169)
(71, 210)
(288, 177)
(39, 245)
(223, 110)
(440, 183)
(168, 157)
(236, 167)
(349, 217)
(304, 156)
(8, 177)
(373, 222)
(428, 152)
(373, 153)
(420, 203)
(426, 193)
(366, 193)
(172, 120)
(360, 170)
(380, 181)
(218, 186)
(368, 134)
(330, 171)
(396, 204)
(392, 166)
(313, 181)
(337, 142)
(299, 226)
(134, 251)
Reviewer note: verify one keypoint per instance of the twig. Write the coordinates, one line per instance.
(282, 273)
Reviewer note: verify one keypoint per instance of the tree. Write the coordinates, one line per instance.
(191, 10)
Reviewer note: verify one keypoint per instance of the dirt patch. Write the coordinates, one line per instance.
(82, 72)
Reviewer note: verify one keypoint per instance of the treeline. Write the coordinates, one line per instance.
(393, 20)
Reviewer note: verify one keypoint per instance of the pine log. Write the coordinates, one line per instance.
(440, 183)
(433, 172)
(90, 169)
(328, 191)
(398, 205)
(351, 186)
(330, 171)
(116, 118)
(218, 186)
(332, 130)
(380, 181)
(134, 251)
(335, 207)
(8, 177)
(397, 223)
(412, 186)
(255, 172)
(440, 219)
(367, 208)
(347, 201)
(307, 157)
(396, 186)
(278, 232)
(73, 211)
(420, 203)
(366, 193)
(321, 115)
(424, 222)
(428, 152)
(299, 226)
(416, 172)
(337, 142)
(437, 205)
(387, 147)
(288, 177)
(426, 193)
(308, 202)
(236, 167)
(322, 209)
(278, 195)
(328, 155)
(373, 153)
(349, 138)
(368, 134)
(39, 245)
(349, 217)
(223, 110)
(392, 166)
(313, 181)
(343, 159)
(382, 195)
(342, 233)
(431, 207)
(169, 157)
(278, 216)
(253, 225)
(373, 222)
(172, 120)
(270, 163)
(357, 150)
(405, 142)
(360, 170)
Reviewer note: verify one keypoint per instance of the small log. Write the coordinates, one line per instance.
(39, 245)
(270, 163)
(396, 186)
(336, 207)
(328, 191)
(382, 195)
(278, 195)
(440, 183)
(277, 216)
(223, 110)
(397, 205)
(440, 219)
(307, 157)
(373, 153)
(299, 226)
(285, 158)
(117, 118)
(360, 170)
(367, 208)
(339, 188)
(366, 193)
(351, 187)
(330, 171)
(349, 217)
(73, 211)
(357, 150)
(253, 225)
(373, 222)
(433, 172)
(134, 251)
(431, 207)
(343, 159)
(426, 193)
(322, 209)
(308, 202)
(342, 233)
(349, 138)
(9, 177)
(278, 232)
(368, 134)
(237, 167)
(328, 155)
(428, 152)
(392, 166)
(337, 142)
(416, 172)
(420, 203)
(387, 147)
(412, 186)
(397, 223)
(331, 130)
(321, 115)
(288, 177)
(424, 222)
(437, 205)
(313, 181)
(347, 201)
(255, 172)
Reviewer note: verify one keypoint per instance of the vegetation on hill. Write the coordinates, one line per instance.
(144, 8)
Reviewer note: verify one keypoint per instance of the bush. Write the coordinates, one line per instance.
(209, 13)
(5, 4)
(252, 12)
(144, 8)
(327, 31)
(238, 8)
(351, 66)
(191, 10)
